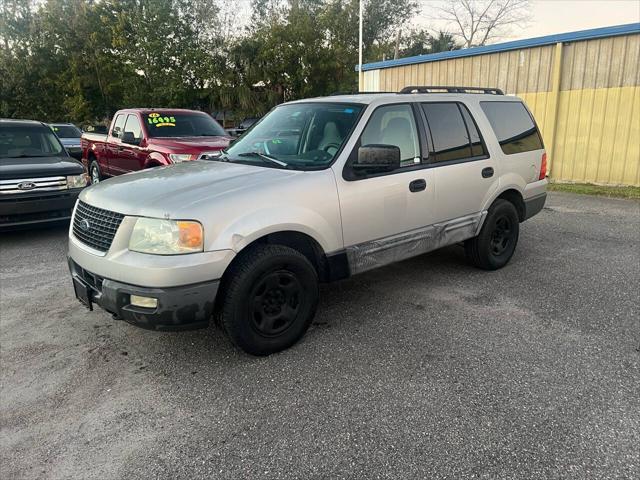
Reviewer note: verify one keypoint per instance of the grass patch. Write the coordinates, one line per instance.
(588, 189)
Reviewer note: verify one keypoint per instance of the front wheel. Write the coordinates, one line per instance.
(494, 246)
(270, 297)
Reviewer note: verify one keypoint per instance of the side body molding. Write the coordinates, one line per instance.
(376, 253)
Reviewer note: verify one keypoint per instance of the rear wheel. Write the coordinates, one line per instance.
(494, 246)
(95, 173)
(269, 300)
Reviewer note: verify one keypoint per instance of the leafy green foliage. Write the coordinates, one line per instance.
(81, 60)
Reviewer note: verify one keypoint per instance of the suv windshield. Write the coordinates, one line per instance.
(66, 131)
(180, 124)
(29, 141)
(300, 135)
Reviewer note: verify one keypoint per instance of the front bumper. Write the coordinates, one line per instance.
(179, 308)
(25, 209)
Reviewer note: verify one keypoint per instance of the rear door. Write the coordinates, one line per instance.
(464, 173)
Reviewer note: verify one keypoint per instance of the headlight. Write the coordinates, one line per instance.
(166, 237)
(181, 157)
(77, 181)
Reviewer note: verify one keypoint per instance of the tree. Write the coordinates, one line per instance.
(478, 22)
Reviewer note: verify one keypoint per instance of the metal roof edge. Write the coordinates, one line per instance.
(507, 46)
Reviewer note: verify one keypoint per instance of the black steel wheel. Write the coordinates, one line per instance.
(494, 246)
(268, 298)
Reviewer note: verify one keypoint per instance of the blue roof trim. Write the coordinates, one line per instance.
(507, 46)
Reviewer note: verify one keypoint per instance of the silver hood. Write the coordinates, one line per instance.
(181, 191)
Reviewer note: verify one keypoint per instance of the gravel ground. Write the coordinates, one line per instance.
(423, 369)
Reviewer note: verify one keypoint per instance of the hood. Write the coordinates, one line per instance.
(180, 190)
(198, 143)
(33, 167)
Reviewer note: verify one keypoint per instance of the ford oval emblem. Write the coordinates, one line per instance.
(26, 185)
(84, 225)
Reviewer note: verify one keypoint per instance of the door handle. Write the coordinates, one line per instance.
(487, 172)
(418, 185)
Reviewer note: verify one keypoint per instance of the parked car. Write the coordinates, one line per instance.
(69, 135)
(243, 127)
(141, 138)
(319, 190)
(39, 181)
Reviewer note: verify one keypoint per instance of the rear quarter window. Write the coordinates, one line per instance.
(515, 129)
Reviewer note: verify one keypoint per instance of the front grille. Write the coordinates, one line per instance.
(24, 185)
(95, 227)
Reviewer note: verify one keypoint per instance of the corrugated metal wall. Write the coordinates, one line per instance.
(585, 96)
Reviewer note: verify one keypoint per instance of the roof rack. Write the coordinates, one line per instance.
(357, 93)
(445, 89)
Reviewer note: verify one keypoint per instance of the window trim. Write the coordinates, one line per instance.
(435, 164)
(348, 173)
(533, 120)
(115, 121)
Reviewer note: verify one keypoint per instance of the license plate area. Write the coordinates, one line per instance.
(83, 293)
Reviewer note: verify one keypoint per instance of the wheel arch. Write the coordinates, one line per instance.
(328, 267)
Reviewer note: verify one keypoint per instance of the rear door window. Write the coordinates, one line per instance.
(513, 126)
(448, 131)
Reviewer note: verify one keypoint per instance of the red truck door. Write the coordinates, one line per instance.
(112, 147)
(131, 157)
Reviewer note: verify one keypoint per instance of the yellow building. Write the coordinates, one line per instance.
(583, 88)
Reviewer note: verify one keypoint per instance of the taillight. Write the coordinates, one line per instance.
(543, 167)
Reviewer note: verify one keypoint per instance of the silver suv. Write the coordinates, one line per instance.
(316, 191)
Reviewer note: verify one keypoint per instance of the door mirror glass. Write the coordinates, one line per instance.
(377, 159)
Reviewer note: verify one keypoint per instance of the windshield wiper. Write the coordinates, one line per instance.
(265, 157)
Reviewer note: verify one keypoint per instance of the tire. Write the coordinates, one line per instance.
(495, 244)
(269, 299)
(95, 173)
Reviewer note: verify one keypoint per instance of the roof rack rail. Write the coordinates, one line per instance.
(446, 89)
(333, 94)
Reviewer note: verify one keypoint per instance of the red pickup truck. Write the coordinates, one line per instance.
(143, 138)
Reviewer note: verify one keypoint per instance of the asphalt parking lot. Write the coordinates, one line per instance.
(424, 369)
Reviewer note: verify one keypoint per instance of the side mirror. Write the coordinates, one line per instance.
(377, 159)
(127, 137)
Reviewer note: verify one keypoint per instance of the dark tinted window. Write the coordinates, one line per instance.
(182, 124)
(477, 147)
(66, 131)
(28, 141)
(118, 127)
(513, 126)
(448, 131)
(133, 126)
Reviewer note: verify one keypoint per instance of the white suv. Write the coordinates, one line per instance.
(317, 190)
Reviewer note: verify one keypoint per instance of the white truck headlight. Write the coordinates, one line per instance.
(181, 157)
(166, 237)
(77, 181)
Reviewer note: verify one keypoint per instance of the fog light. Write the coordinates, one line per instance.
(144, 302)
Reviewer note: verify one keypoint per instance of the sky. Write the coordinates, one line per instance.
(558, 16)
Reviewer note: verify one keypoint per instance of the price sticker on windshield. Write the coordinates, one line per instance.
(157, 120)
